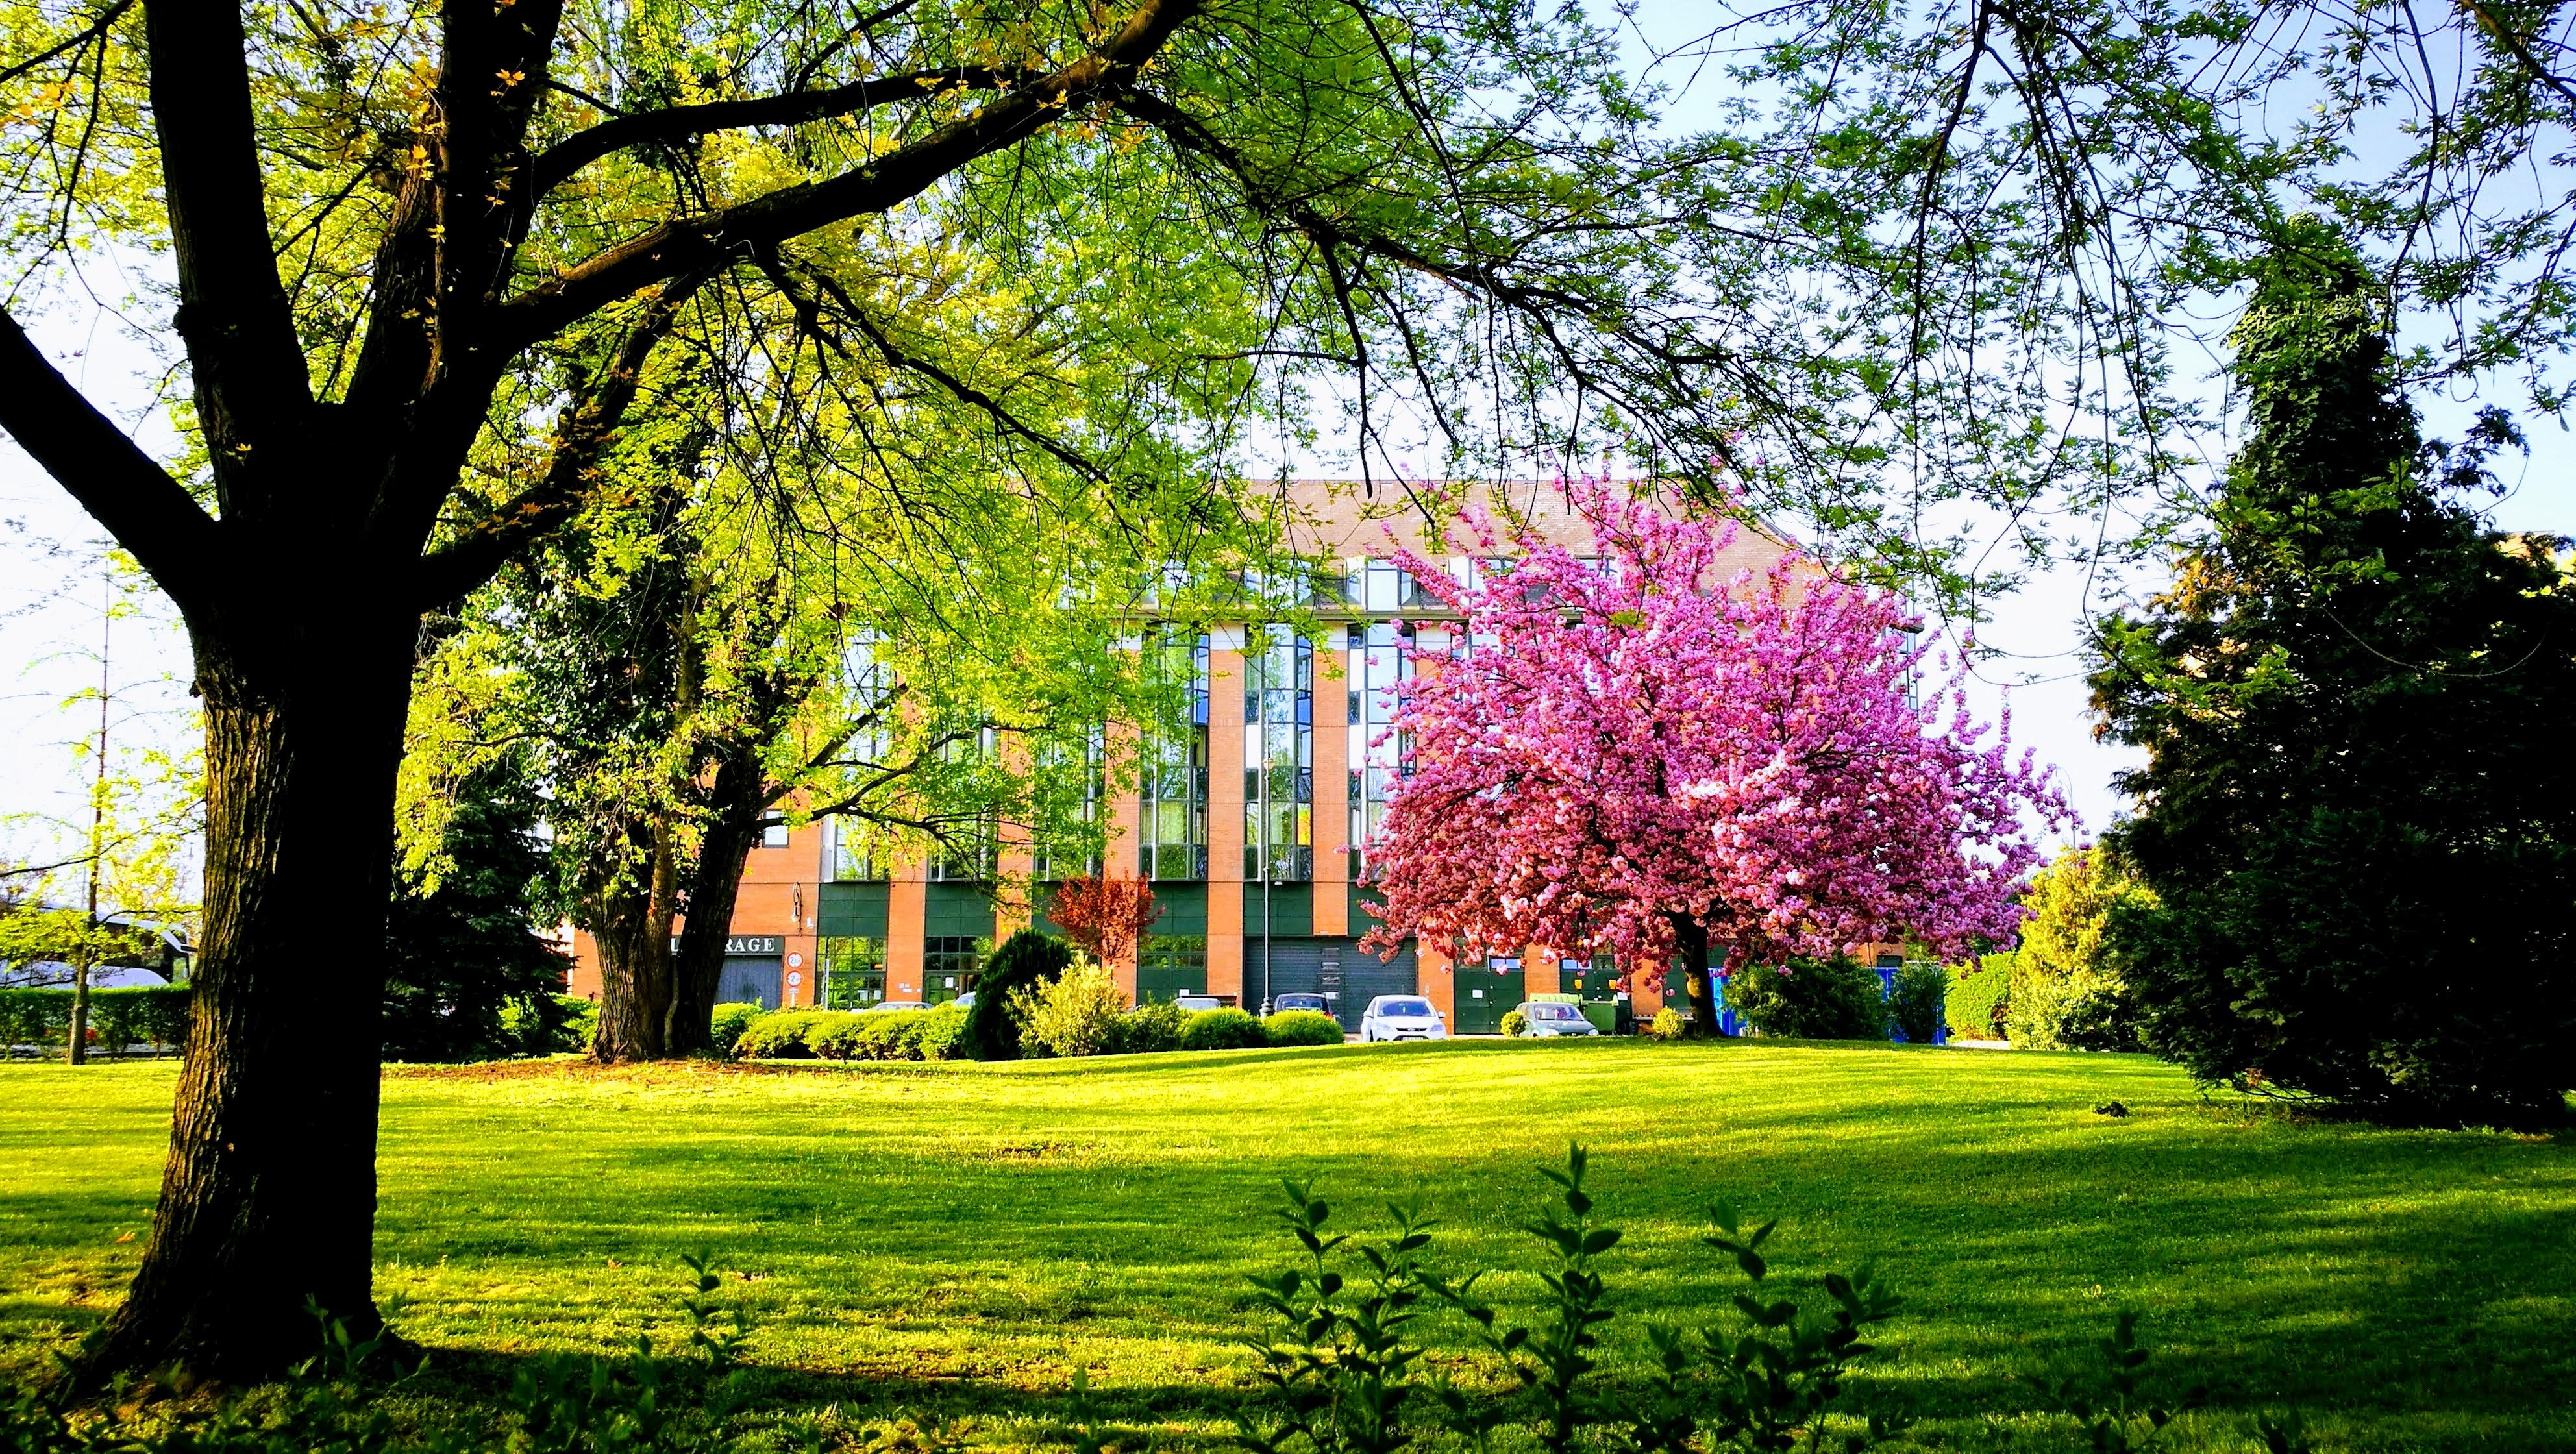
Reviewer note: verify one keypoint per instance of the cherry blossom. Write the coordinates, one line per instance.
(1619, 757)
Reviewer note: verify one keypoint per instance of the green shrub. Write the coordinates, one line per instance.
(154, 1015)
(1515, 1023)
(780, 1034)
(940, 1033)
(1978, 997)
(1025, 961)
(844, 1035)
(1149, 1029)
(1916, 1002)
(1074, 1014)
(1302, 1027)
(548, 1025)
(1224, 1029)
(1668, 1024)
(1812, 999)
(730, 1021)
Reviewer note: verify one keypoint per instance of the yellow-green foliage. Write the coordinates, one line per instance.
(1975, 1000)
(2064, 995)
(1302, 1027)
(1075, 1014)
(1667, 1024)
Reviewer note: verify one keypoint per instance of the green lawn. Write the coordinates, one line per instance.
(963, 1237)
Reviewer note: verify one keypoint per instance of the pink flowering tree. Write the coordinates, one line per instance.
(1648, 758)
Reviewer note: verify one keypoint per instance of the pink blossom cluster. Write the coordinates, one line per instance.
(1630, 744)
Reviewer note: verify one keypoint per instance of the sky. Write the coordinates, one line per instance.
(51, 581)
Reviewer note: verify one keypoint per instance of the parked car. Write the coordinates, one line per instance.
(1402, 1017)
(1284, 1003)
(896, 1005)
(966, 1001)
(1198, 1002)
(1554, 1017)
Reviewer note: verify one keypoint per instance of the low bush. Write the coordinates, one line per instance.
(1916, 1001)
(730, 1021)
(1515, 1023)
(150, 1015)
(1224, 1029)
(548, 1025)
(1668, 1024)
(1978, 997)
(847, 1034)
(1149, 1029)
(780, 1034)
(1077, 1013)
(940, 1034)
(1811, 999)
(1302, 1027)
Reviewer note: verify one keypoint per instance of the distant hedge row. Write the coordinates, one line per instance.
(153, 1015)
(938, 1033)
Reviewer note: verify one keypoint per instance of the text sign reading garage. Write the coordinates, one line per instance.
(748, 944)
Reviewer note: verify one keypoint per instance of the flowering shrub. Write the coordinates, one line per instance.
(1077, 1013)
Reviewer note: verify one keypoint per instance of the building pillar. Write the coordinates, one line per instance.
(1436, 975)
(1119, 847)
(907, 917)
(1332, 792)
(1225, 812)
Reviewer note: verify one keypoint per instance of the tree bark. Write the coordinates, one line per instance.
(1693, 943)
(76, 1049)
(723, 853)
(638, 973)
(268, 1197)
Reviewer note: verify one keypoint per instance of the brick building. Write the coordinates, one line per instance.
(1243, 820)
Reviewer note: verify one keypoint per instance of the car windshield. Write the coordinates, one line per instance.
(1404, 1007)
(1301, 1002)
(1553, 1012)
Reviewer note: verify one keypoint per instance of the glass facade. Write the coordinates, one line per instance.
(1057, 863)
(1278, 757)
(854, 972)
(948, 965)
(1172, 780)
(1377, 662)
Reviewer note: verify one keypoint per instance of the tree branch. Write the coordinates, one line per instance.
(690, 244)
(252, 390)
(583, 434)
(112, 478)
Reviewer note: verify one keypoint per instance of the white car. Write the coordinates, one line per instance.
(1553, 1017)
(896, 1005)
(1402, 1017)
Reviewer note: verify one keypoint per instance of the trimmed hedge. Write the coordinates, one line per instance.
(730, 1021)
(931, 1034)
(1977, 997)
(154, 1015)
(1302, 1027)
(1811, 999)
(1515, 1023)
(1226, 1029)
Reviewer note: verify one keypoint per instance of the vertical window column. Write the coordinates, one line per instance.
(1279, 759)
(1172, 827)
(1377, 662)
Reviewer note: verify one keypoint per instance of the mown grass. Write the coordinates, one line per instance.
(962, 1238)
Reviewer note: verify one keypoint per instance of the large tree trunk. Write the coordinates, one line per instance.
(1693, 937)
(269, 1194)
(638, 973)
(723, 853)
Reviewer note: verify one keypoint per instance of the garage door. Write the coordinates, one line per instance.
(749, 979)
(1487, 992)
(1337, 969)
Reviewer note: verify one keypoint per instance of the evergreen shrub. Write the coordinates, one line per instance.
(1149, 1029)
(1668, 1024)
(1025, 961)
(1302, 1027)
(1917, 1002)
(1076, 1013)
(1515, 1023)
(1811, 999)
(1225, 1029)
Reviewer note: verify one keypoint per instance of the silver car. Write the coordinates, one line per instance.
(1554, 1017)
(1402, 1017)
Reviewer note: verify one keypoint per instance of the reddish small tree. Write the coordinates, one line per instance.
(1105, 916)
(1643, 758)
